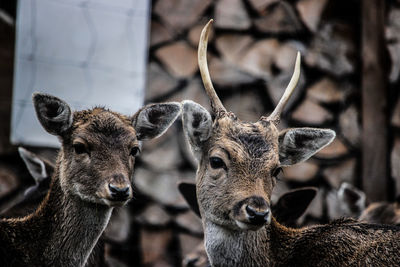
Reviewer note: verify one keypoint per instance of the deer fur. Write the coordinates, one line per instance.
(237, 165)
(92, 176)
(382, 212)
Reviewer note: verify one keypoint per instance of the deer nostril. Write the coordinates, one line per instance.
(250, 211)
(192, 262)
(257, 217)
(119, 193)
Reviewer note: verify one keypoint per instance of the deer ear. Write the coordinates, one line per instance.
(293, 204)
(299, 144)
(197, 124)
(38, 168)
(351, 198)
(154, 119)
(188, 191)
(53, 113)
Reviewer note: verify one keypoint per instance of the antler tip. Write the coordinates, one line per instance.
(298, 59)
(288, 91)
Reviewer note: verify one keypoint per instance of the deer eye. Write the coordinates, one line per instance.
(80, 148)
(217, 163)
(276, 172)
(135, 151)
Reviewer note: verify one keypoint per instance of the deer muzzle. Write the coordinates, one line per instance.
(119, 190)
(252, 213)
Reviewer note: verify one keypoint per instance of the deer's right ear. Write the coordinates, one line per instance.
(53, 113)
(38, 168)
(197, 124)
(299, 144)
(153, 120)
(293, 204)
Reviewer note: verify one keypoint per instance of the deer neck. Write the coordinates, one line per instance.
(267, 246)
(68, 227)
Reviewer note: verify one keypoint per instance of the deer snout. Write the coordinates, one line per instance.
(119, 188)
(252, 213)
(257, 216)
(119, 193)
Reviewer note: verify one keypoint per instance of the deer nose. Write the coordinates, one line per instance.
(257, 217)
(119, 193)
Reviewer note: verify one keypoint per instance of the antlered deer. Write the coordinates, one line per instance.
(92, 175)
(237, 165)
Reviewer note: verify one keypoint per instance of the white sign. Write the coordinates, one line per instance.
(88, 53)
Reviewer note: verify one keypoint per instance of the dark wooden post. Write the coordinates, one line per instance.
(374, 101)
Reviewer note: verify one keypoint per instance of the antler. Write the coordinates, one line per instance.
(216, 103)
(275, 115)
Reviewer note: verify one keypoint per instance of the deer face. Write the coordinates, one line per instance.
(99, 146)
(238, 161)
(237, 172)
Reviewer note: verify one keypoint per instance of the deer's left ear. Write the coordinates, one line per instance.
(154, 119)
(299, 144)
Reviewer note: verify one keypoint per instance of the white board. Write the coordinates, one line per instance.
(87, 53)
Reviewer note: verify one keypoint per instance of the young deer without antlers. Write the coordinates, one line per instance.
(237, 163)
(92, 175)
(352, 202)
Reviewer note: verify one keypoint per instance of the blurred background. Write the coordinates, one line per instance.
(349, 82)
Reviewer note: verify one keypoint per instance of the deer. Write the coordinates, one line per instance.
(382, 212)
(353, 203)
(287, 209)
(347, 201)
(238, 163)
(92, 175)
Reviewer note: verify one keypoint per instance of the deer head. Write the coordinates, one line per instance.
(238, 161)
(99, 146)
